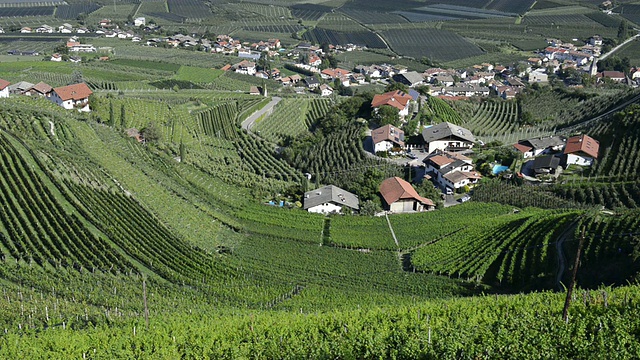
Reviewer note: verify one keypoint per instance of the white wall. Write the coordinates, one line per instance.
(383, 146)
(325, 208)
(4, 93)
(579, 160)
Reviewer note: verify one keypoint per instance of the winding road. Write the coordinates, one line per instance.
(248, 123)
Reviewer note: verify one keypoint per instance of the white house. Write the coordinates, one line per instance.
(330, 199)
(450, 170)
(326, 90)
(72, 96)
(447, 136)
(387, 137)
(4, 88)
(539, 146)
(246, 67)
(538, 77)
(139, 21)
(56, 57)
(581, 150)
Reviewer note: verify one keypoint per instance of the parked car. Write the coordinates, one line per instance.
(465, 198)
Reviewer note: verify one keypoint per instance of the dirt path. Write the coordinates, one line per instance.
(248, 122)
(567, 233)
(392, 232)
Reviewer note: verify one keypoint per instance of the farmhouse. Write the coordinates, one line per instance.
(581, 150)
(4, 88)
(387, 137)
(399, 196)
(72, 96)
(616, 76)
(538, 77)
(330, 199)
(411, 78)
(397, 99)
(448, 137)
(77, 47)
(41, 89)
(20, 88)
(538, 146)
(139, 21)
(326, 90)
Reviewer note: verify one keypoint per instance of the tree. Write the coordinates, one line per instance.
(152, 132)
(76, 77)
(123, 116)
(393, 86)
(623, 30)
(387, 114)
(112, 117)
(264, 62)
(182, 151)
(369, 208)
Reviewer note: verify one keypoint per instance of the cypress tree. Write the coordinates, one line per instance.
(112, 118)
(123, 122)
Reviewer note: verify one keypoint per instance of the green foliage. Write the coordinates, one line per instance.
(387, 115)
(152, 132)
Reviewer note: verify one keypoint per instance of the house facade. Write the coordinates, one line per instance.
(330, 200)
(74, 96)
(387, 137)
(400, 197)
(451, 170)
(4, 88)
(581, 150)
(447, 137)
(539, 146)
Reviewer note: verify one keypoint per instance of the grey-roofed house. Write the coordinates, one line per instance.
(447, 136)
(539, 146)
(20, 88)
(330, 199)
(411, 78)
(312, 82)
(546, 165)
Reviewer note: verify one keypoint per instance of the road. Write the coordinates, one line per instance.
(604, 56)
(568, 232)
(247, 124)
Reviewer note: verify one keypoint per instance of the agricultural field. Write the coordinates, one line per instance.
(290, 118)
(71, 12)
(363, 38)
(26, 11)
(439, 45)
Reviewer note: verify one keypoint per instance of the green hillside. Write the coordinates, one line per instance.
(115, 248)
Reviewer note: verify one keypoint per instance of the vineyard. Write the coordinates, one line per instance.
(439, 45)
(509, 249)
(291, 118)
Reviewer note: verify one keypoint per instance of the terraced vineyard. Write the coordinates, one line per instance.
(510, 249)
(439, 110)
(494, 118)
(290, 118)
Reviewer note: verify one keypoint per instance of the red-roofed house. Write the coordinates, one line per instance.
(399, 196)
(4, 88)
(387, 137)
(581, 150)
(74, 96)
(41, 89)
(397, 99)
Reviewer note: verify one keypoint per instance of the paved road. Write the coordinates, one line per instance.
(248, 122)
(604, 56)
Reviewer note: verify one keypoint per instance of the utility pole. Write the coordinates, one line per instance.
(565, 311)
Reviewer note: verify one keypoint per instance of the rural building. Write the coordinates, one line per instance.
(4, 88)
(330, 199)
(397, 99)
(311, 82)
(56, 57)
(544, 165)
(538, 77)
(77, 47)
(20, 88)
(139, 21)
(450, 170)
(326, 90)
(246, 67)
(539, 146)
(41, 89)
(74, 96)
(387, 137)
(581, 150)
(448, 137)
(399, 196)
(616, 76)
(411, 78)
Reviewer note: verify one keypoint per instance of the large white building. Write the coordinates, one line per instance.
(447, 137)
